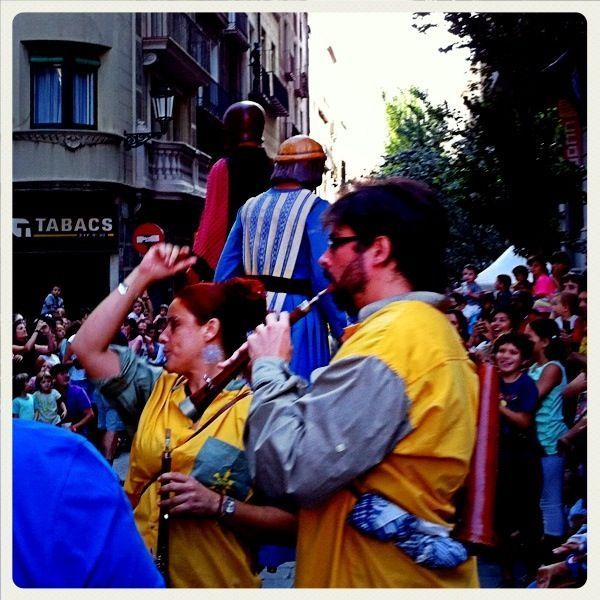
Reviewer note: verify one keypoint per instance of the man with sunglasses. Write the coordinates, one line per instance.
(278, 237)
(388, 426)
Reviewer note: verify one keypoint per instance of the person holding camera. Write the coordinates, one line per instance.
(26, 349)
(486, 332)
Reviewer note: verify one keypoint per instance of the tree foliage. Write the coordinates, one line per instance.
(425, 144)
(511, 150)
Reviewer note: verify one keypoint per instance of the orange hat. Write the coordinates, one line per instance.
(298, 148)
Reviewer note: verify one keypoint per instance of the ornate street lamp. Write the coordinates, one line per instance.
(162, 107)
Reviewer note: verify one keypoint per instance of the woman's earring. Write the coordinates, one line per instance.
(212, 354)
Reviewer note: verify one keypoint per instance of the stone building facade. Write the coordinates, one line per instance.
(82, 83)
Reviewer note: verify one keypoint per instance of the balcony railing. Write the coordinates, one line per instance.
(182, 29)
(176, 168)
(190, 37)
(290, 129)
(237, 30)
(218, 18)
(239, 21)
(271, 92)
(301, 85)
(215, 99)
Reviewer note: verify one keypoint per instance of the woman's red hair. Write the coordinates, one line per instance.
(239, 304)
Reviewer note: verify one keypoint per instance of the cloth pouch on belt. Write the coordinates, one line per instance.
(428, 544)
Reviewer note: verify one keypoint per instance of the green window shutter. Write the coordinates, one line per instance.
(87, 61)
(46, 59)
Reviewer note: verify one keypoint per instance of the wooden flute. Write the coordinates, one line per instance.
(162, 541)
(195, 404)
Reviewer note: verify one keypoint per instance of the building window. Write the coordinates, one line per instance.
(64, 92)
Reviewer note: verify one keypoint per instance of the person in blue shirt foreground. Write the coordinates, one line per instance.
(72, 524)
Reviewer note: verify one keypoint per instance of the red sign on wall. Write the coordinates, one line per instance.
(572, 127)
(146, 235)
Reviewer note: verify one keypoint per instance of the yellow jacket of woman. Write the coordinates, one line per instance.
(202, 551)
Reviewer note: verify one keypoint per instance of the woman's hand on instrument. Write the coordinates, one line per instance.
(188, 496)
(271, 339)
(228, 361)
(165, 260)
(569, 547)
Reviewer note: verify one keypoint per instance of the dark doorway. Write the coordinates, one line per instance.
(83, 277)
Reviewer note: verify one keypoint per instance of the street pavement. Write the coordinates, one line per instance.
(489, 571)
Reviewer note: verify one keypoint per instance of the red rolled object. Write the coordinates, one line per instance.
(476, 521)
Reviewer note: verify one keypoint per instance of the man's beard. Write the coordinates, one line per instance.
(352, 281)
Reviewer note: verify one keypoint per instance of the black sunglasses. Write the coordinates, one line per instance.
(334, 242)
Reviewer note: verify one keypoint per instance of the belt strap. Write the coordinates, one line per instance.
(284, 285)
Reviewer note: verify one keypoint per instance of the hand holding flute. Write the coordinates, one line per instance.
(269, 339)
(278, 326)
(276, 329)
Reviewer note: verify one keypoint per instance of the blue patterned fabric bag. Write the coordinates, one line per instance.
(428, 544)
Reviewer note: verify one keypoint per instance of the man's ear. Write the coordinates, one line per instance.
(212, 328)
(381, 250)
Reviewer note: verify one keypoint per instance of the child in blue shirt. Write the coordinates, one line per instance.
(519, 459)
(22, 404)
(472, 292)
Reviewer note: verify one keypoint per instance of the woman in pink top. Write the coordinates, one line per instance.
(543, 285)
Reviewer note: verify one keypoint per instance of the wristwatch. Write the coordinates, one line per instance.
(227, 507)
(122, 288)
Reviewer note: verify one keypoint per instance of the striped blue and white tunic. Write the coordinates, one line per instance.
(279, 233)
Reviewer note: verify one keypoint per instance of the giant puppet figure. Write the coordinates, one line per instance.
(244, 172)
(278, 237)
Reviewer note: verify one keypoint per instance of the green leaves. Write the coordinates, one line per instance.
(500, 172)
(425, 144)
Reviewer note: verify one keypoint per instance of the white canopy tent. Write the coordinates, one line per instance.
(504, 264)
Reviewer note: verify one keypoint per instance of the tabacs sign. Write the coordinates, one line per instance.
(64, 232)
(51, 227)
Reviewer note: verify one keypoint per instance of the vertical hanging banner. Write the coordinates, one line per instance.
(573, 138)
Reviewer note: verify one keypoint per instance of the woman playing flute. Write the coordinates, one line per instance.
(214, 517)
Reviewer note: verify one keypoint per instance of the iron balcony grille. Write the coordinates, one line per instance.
(271, 92)
(215, 99)
(182, 29)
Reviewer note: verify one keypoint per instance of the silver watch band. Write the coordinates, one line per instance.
(227, 507)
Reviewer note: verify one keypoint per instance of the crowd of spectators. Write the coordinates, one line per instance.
(51, 386)
(533, 327)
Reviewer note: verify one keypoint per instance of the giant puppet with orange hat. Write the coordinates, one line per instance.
(278, 237)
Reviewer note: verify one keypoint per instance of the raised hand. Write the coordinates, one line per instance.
(165, 260)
